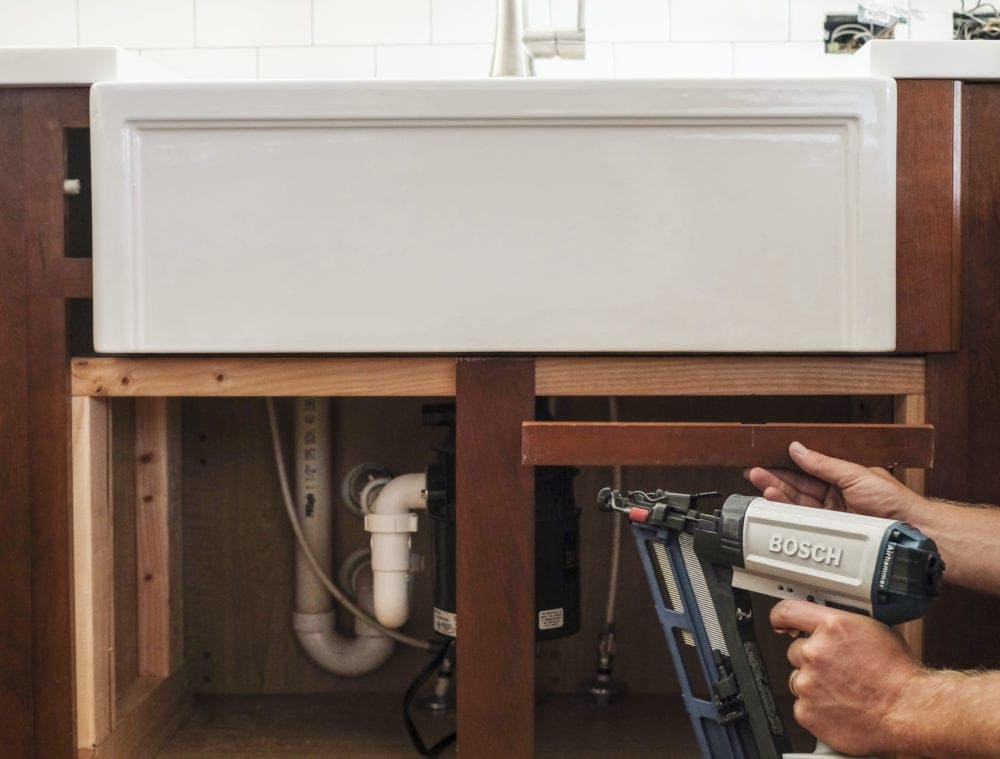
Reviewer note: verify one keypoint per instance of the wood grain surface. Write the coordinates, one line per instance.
(274, 376)
(16, 696)
(714, 444)
(93, 567)
(355, 727)
(47, 112)
(158, 533)
(150, 715)
(728, 375)
(554, 376)
(963, 398)
(496, 559)
(928, 257)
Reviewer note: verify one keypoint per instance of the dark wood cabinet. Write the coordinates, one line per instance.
(948, 231)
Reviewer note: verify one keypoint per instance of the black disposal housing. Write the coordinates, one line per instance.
(557, 537)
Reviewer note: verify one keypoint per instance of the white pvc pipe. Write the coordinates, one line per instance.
(391, 523)
(340, 655)
(313, 619)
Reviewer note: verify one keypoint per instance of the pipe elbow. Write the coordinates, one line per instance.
(339, 655)
(401, 494)
(391, 598)
(390, 524)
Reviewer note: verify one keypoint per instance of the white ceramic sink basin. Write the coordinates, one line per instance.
(475, 216)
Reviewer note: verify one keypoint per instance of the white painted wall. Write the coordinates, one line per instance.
(431, 38)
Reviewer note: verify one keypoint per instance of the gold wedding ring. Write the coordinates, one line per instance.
(791, 682)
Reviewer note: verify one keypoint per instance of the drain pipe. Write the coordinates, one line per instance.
(388, 505)
(314, 616)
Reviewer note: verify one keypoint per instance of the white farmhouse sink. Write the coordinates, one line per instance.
(488, 215)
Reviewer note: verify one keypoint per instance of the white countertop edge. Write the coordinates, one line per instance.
(76, 65)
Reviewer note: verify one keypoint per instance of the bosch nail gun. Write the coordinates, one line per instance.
(701, 567)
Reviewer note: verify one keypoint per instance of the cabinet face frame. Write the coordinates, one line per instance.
(488, 392)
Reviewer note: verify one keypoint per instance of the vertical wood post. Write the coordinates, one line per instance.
(496, 559)
(93, 565)
(157, 428)
(911, 409)
(47, 112)
(16, 636)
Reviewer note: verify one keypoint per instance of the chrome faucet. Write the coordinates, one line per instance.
(517, 45)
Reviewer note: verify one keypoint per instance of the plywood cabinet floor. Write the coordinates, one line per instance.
(368, 726)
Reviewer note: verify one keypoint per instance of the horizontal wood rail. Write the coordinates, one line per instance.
(729, 375)
(434, 376)
(697, 444)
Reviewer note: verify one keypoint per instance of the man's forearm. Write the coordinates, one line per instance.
(968, 538)
(948, 714)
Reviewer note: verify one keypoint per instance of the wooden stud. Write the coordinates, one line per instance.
(93, 564)
(911, 409)
(157, 536)
(245, 377)
(154, 710)
(714, 444)
(559, 376)
(728, 375)
(495, 560)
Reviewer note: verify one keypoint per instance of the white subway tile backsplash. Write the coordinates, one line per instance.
(806, 17)
(790, 59)
(627, 20)
(137, 23)
(463, 20)
(673, 59)
(206, 63)
(932, 19)
(728, 20)
(538, 13)
(599, 63)
(433, 61)
(371, 22)
(342, 62)
(249, 23)
(41, 22)
(563, 12)
(442, 38)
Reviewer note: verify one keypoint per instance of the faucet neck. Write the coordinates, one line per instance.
(510, 56)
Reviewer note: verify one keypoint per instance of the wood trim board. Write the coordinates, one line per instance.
(431, 376)
(714, 444)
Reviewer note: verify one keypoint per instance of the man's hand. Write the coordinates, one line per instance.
(853, 675)
(830, 483)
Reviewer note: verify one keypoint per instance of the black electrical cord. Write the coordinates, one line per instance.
(411, 693)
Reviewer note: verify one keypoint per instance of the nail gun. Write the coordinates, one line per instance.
(701, 568)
